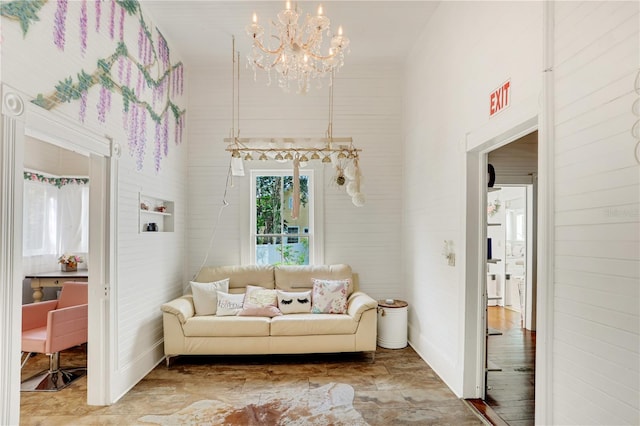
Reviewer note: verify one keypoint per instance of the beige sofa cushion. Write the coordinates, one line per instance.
(239, 276)
(312, 324)
(231, 326)
(299, 277)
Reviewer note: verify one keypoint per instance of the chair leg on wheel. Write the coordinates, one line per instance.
(53, 379)
(26, 358)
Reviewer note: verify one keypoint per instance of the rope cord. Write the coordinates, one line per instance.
(225, 203)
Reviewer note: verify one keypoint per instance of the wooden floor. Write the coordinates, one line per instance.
(511, 391)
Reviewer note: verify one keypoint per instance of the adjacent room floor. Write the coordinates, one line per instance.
(511, 390)
(398, 388)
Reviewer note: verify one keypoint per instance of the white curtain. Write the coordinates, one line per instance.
(55, 221)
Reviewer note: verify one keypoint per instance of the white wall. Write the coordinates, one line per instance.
(597, 225)
(467, 50)
(47, 158)
(367, 107)
(149, 267)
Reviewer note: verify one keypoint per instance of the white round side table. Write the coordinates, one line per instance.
(392, 324)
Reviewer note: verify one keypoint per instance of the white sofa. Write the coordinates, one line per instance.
(188, 334)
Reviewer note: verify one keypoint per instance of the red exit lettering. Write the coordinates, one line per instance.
(499, 99)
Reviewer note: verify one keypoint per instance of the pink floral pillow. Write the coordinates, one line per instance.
(329, 296)
(260, 302)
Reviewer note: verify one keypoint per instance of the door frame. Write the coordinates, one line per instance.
(475, 266)
(476, 252)
(21, 118)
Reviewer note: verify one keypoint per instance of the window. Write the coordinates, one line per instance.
(275, 235)
(55, 220)
(292, 230)
(39, 219)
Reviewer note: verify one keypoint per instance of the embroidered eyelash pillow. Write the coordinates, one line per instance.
(294, 302)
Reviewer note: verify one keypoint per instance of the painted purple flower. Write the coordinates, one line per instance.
(181, 79)
(163, 51)
(165, 133)
(142, 137)
(108, 101)
(83, 106)
(179, 129)
(140, 157)
(141, 38)
(60, 24)
(127, 80)
(121, 27)
(104, 104)
(83, 27)
(133, 128)
(120, 68)
(157, 150)
(138, 90)
(98, 5)
(112, 18)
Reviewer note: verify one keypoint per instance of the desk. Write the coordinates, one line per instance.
(54, 279)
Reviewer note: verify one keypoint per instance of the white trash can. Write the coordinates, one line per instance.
(392, 324)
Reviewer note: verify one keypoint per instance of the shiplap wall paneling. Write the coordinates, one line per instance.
(454, 66)
(597, 296)
(367, 106)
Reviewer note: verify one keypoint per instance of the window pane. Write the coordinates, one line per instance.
(302, 221)
(269, 204)
(34, 219)
(295, 253)
(280, 238)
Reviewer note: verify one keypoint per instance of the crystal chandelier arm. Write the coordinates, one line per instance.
(321, 57)
(257, 43)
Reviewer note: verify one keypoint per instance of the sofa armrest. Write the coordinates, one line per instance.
(182, 307)
(358, 303)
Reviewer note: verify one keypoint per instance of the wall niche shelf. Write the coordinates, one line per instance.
(494, 224)
(158, 211)
(494, 260)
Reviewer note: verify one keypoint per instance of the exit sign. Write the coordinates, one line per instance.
(499, 99)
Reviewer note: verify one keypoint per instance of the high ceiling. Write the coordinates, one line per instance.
(201, 30)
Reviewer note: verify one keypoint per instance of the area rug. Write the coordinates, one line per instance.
(331, 404)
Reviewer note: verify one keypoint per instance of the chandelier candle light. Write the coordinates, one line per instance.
(299, 55)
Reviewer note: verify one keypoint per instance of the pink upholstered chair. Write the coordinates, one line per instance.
(50, 327)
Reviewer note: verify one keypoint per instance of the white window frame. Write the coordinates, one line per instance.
(316, 210)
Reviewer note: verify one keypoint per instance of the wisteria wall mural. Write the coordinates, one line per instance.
(144, 77)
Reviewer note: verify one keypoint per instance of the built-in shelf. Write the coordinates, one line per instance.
(154, 210)
(494, 224)
(494, 260)
(493, 189)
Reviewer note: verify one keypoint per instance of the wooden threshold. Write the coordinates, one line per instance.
(486, 412)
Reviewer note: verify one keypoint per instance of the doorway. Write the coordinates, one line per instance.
(511, 281)
(21, 120)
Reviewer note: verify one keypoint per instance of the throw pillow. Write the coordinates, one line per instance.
(205, 299)
(329, 296)
(294, 302)
(229, 304)
(260, 302)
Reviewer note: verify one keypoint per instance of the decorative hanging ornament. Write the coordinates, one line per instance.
(358, 199)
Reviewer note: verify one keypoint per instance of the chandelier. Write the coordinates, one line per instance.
(300, 53)
(339, 152)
